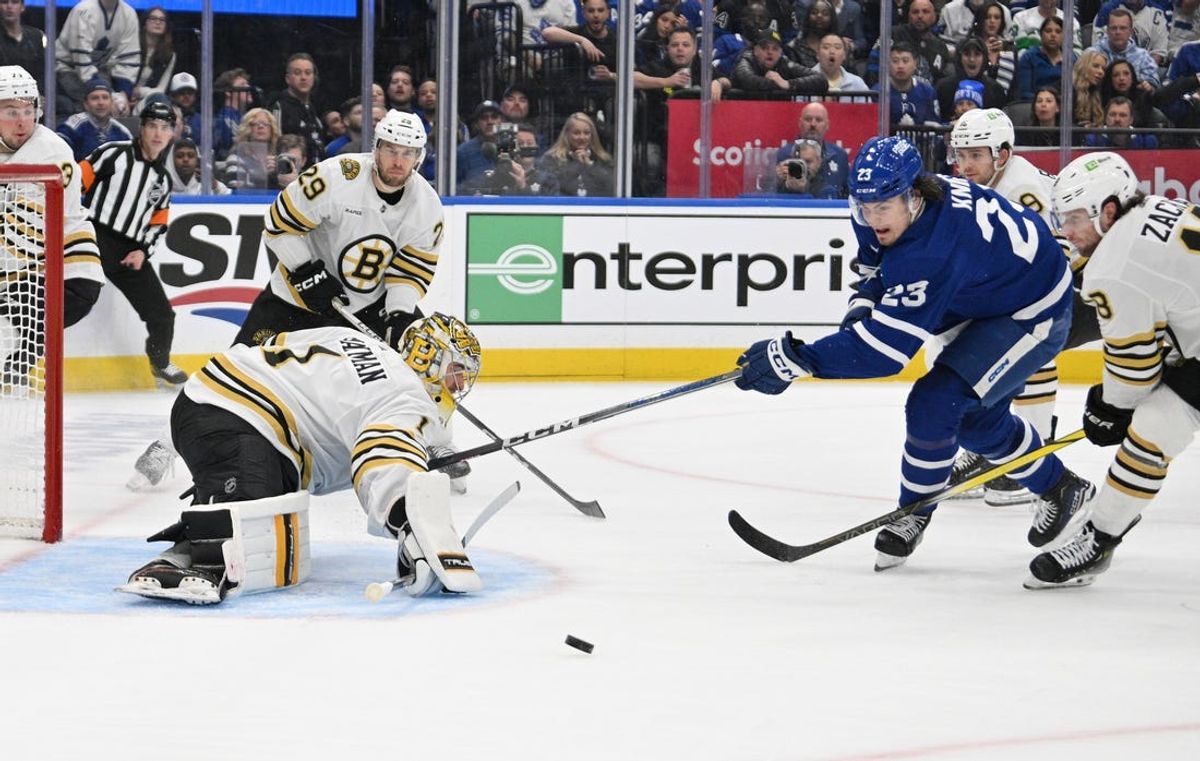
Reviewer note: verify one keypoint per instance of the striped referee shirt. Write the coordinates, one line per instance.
(127, 194)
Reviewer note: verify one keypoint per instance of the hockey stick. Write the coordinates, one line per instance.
(582, 420)
(377, 590)
(789, 553)
(587, 508)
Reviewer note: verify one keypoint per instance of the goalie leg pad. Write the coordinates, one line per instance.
(427, 504)
(253, 546)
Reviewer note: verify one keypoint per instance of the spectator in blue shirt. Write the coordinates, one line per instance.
(912, 100)
(1118, 45)
(1041, 64)
(94, 126)
(832, 173)
(1119, 116)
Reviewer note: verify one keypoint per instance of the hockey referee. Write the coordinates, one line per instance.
(128, 189)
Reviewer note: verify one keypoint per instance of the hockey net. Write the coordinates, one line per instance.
(31, 327)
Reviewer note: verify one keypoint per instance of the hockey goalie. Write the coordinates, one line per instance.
(312, 412)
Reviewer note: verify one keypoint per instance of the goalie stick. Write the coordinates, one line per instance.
(591, 509)
(587, 508)
(377, 590)
(789, 553)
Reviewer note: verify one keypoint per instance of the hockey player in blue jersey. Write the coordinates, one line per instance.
(945, 257)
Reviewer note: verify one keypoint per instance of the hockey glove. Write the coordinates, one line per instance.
(1103, 424)
(315, 287)
(394, 326)
(770, 366)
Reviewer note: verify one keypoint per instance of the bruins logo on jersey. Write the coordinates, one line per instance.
(363, 262)
(350, 169)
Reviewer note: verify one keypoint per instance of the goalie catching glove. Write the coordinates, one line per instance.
(770, 366)
(315, 287)
(1103, 424)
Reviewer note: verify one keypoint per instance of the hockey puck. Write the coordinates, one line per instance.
(579, 644)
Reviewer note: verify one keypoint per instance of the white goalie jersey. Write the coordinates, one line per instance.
(344, 408)
(81, 256)
(1144, 281)
(333, 213)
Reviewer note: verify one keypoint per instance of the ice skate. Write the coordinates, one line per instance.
(1065, 505)
(458, 471)
(966, 466)
(1078, 562)
(168, 376)
(164, 580)
(1004, 491)
(151, 467)
(897, 540)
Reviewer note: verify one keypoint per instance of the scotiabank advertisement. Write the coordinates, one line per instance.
(745, 136)
(1170, 173)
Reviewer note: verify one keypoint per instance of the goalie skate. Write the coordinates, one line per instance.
(151, 467)
(162, 580)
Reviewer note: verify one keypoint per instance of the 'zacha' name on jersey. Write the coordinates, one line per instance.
(972, 255)
(366, 364)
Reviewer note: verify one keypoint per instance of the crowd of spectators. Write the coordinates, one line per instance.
(546, 127)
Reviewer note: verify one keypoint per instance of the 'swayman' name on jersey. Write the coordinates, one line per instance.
(366, 365)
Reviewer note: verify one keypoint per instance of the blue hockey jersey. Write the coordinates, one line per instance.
(969, 256)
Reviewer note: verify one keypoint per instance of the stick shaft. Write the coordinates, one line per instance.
(588, 419)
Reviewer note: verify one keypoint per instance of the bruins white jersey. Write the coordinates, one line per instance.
(81, 257)
(333, 213)
(344, 408)
(1024, 183)
(1144, 281)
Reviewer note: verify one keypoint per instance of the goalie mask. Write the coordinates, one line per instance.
(444, 352)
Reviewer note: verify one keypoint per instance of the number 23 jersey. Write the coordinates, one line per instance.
(333, 213)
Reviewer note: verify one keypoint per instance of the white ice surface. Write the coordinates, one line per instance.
(704, 648)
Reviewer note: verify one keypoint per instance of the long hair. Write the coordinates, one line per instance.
(243, 131)
(1140, 100)
(561, 149)
(810, 29)
(164, 49)
(1057, 99)
(981, 17)
(1089, 109)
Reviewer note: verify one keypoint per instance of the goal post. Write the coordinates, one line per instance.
(31, 349)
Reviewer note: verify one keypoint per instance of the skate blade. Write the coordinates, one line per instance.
(139, 482)
(1008, 498)
(195, 594)
(968, 494)
(884, 561)
(1035, 583)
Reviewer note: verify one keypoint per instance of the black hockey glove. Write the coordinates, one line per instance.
(315, 287)
(394, 326)
(1103, 424)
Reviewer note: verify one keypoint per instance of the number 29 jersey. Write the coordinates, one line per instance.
(333, 213)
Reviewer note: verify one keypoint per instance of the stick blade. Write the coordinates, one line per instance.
(590, 509)
(767, 545)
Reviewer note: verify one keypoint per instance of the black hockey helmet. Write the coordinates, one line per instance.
(159, 109)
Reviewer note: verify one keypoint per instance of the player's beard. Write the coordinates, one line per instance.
(395, 179)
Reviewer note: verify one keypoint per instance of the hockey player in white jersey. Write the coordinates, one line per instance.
(24, 141)
(981, 147)
(1143, 279)
(314, 411)
(366, 227)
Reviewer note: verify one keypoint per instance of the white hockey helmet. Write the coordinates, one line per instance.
(445, 354)
(18, 84)
(983, 128)
(402, 128)
(1090, 181)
